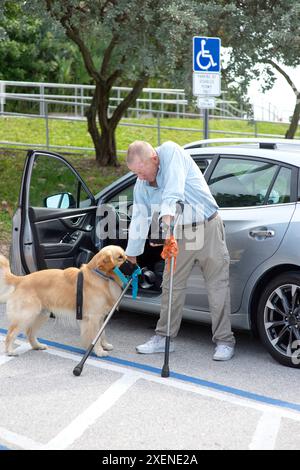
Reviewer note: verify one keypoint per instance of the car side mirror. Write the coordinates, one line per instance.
(60, 201)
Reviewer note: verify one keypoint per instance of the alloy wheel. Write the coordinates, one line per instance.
(282, 319)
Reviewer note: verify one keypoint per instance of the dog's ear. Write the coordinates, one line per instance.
(106, 262)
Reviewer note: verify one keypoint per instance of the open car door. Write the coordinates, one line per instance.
(53, 226)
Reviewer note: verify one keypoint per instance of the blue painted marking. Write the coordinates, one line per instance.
(185, 378)
(3, 448)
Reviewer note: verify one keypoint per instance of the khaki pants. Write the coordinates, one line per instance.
(213, 258)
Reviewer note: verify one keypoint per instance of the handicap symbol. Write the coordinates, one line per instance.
(204, 54)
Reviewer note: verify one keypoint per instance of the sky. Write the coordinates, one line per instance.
(279, 101)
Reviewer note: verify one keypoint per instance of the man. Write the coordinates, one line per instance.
(166, 175)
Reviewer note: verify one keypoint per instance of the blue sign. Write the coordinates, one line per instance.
(206, 54)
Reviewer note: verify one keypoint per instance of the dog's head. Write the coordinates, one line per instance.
(108, 258)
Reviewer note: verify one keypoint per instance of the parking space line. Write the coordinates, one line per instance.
(8, 436)
(265, 435)
(23, 348)
(184, 378)
(18, 440)
(86, 419)
(190, 379)
(182, 385)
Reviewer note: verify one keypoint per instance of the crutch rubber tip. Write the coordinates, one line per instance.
(165, 371)
(77, 370)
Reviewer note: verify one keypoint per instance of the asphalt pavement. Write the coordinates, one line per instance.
(121, 402)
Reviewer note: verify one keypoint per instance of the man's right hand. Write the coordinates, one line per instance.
(132, 259)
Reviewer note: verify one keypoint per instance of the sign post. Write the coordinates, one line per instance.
(206, 74)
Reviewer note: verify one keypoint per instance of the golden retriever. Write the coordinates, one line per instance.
(31, 298)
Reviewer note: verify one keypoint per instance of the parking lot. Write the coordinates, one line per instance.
(121, 402)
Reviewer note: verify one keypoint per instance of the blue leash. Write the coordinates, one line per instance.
(125, 279)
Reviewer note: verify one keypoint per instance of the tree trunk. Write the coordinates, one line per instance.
(290, 133)
(91, 114)
(105, 141)
(107, 155)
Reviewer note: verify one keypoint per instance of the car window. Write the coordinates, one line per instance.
(125, 194)
(54, 185)
(281, 190)
(241, 182)
(203, 164)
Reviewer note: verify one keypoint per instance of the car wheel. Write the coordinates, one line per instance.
(278, 318)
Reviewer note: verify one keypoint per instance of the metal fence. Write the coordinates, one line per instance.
(73, 99)
(70, 105)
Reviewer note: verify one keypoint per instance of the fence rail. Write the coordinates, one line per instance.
(47, 106)
(151, 100)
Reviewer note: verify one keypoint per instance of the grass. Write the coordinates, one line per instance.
(74, 133)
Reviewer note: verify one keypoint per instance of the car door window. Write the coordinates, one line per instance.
(241, 182)
(281, 190)
(54, 185)
(126, 193)
(202, 164)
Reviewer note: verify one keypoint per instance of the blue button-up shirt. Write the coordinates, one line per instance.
(178, 178)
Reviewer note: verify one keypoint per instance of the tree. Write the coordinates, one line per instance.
(32, 48)
(267, 33)
(134, 40)
(126, 42)
(20, 58)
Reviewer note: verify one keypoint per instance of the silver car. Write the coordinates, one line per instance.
(257, 186)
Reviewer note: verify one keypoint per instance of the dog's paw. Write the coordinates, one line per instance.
(39, 347)
(107, 346)
(100, 353)
(11, 354)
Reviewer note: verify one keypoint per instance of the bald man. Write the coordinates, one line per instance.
(166, 175)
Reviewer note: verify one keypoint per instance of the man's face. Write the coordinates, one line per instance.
(145, 169)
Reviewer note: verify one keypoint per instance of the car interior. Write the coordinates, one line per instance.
(150, 261)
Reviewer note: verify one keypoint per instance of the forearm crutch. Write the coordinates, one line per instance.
(78, 369)
(165, 372)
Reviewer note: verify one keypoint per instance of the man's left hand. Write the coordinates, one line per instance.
(162, 236)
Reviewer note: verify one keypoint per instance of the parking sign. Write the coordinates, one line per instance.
(206, 54)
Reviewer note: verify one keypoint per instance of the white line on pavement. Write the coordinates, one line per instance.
(198, 389)
(23, 348)
(11, 437)
(80, 424)
(266, 432)
(263, 438)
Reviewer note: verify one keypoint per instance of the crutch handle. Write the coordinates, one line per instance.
(180, 204)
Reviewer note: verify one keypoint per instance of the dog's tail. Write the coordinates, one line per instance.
(8, 281)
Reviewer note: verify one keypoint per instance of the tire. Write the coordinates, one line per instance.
(278, 318)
